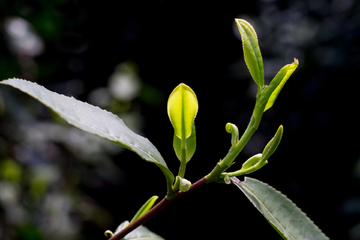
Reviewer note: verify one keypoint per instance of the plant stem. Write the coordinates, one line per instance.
(164, 203)
(182, 160)
(234, 152)
(213, 176)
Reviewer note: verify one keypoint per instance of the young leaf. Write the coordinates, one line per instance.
(145, 208)
(182, 108)
(278, 83)
(140, 233)
(94, 120)
(272, 144)
(287, 219)
(251, 162)
(252, 53)
(190, 145)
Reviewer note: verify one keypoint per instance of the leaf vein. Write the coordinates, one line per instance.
(267, 210)
(37, 94)
(72, 105)
(107, 126)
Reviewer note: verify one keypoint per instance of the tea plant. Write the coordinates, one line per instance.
(288, 220)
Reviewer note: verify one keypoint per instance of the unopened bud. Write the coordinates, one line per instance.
(273, 144)
(185, 184)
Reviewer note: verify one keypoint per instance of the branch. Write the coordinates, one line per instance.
(164, 203)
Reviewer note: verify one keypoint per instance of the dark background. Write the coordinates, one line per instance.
(57, 182)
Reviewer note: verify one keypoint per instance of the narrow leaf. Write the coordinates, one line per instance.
(272, 144)
(94, 120)
(278, 83)
(145, 208)
(252, 53)
(140, 233)
(289, 221)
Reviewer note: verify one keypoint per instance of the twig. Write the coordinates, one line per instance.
(164, 203)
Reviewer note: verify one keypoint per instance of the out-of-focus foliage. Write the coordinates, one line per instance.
(44, 165)
(47, 169)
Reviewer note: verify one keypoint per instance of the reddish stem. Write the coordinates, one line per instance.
(164, 203)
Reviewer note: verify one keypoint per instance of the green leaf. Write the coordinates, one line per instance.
(252, 53)
(277, 84)
(182, 108)
(94, 120)
(251, 162)
(289, 221)
(140, 233)
(190, 145)
(272, 144)
(145, 208)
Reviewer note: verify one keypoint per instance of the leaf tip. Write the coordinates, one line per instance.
(239, 20)
(243, 23)
(296, 61)
(281, 129)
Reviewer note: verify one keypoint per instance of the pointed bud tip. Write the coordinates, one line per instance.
(296, 61)
(281, 127)
(227, 179)
(239, 20)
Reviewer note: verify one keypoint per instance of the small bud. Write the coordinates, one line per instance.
(185, 184)
(108, 234)
(231, 128)
(227, 179)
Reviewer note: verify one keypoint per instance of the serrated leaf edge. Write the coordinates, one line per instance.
(57, 111)
(235, 179)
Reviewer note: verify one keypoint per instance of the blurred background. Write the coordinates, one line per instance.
(58, 182)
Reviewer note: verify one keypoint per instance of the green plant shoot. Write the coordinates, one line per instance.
(278, 83)
(252, 53)
(272, 144)
(144, 208)
(182, 108)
